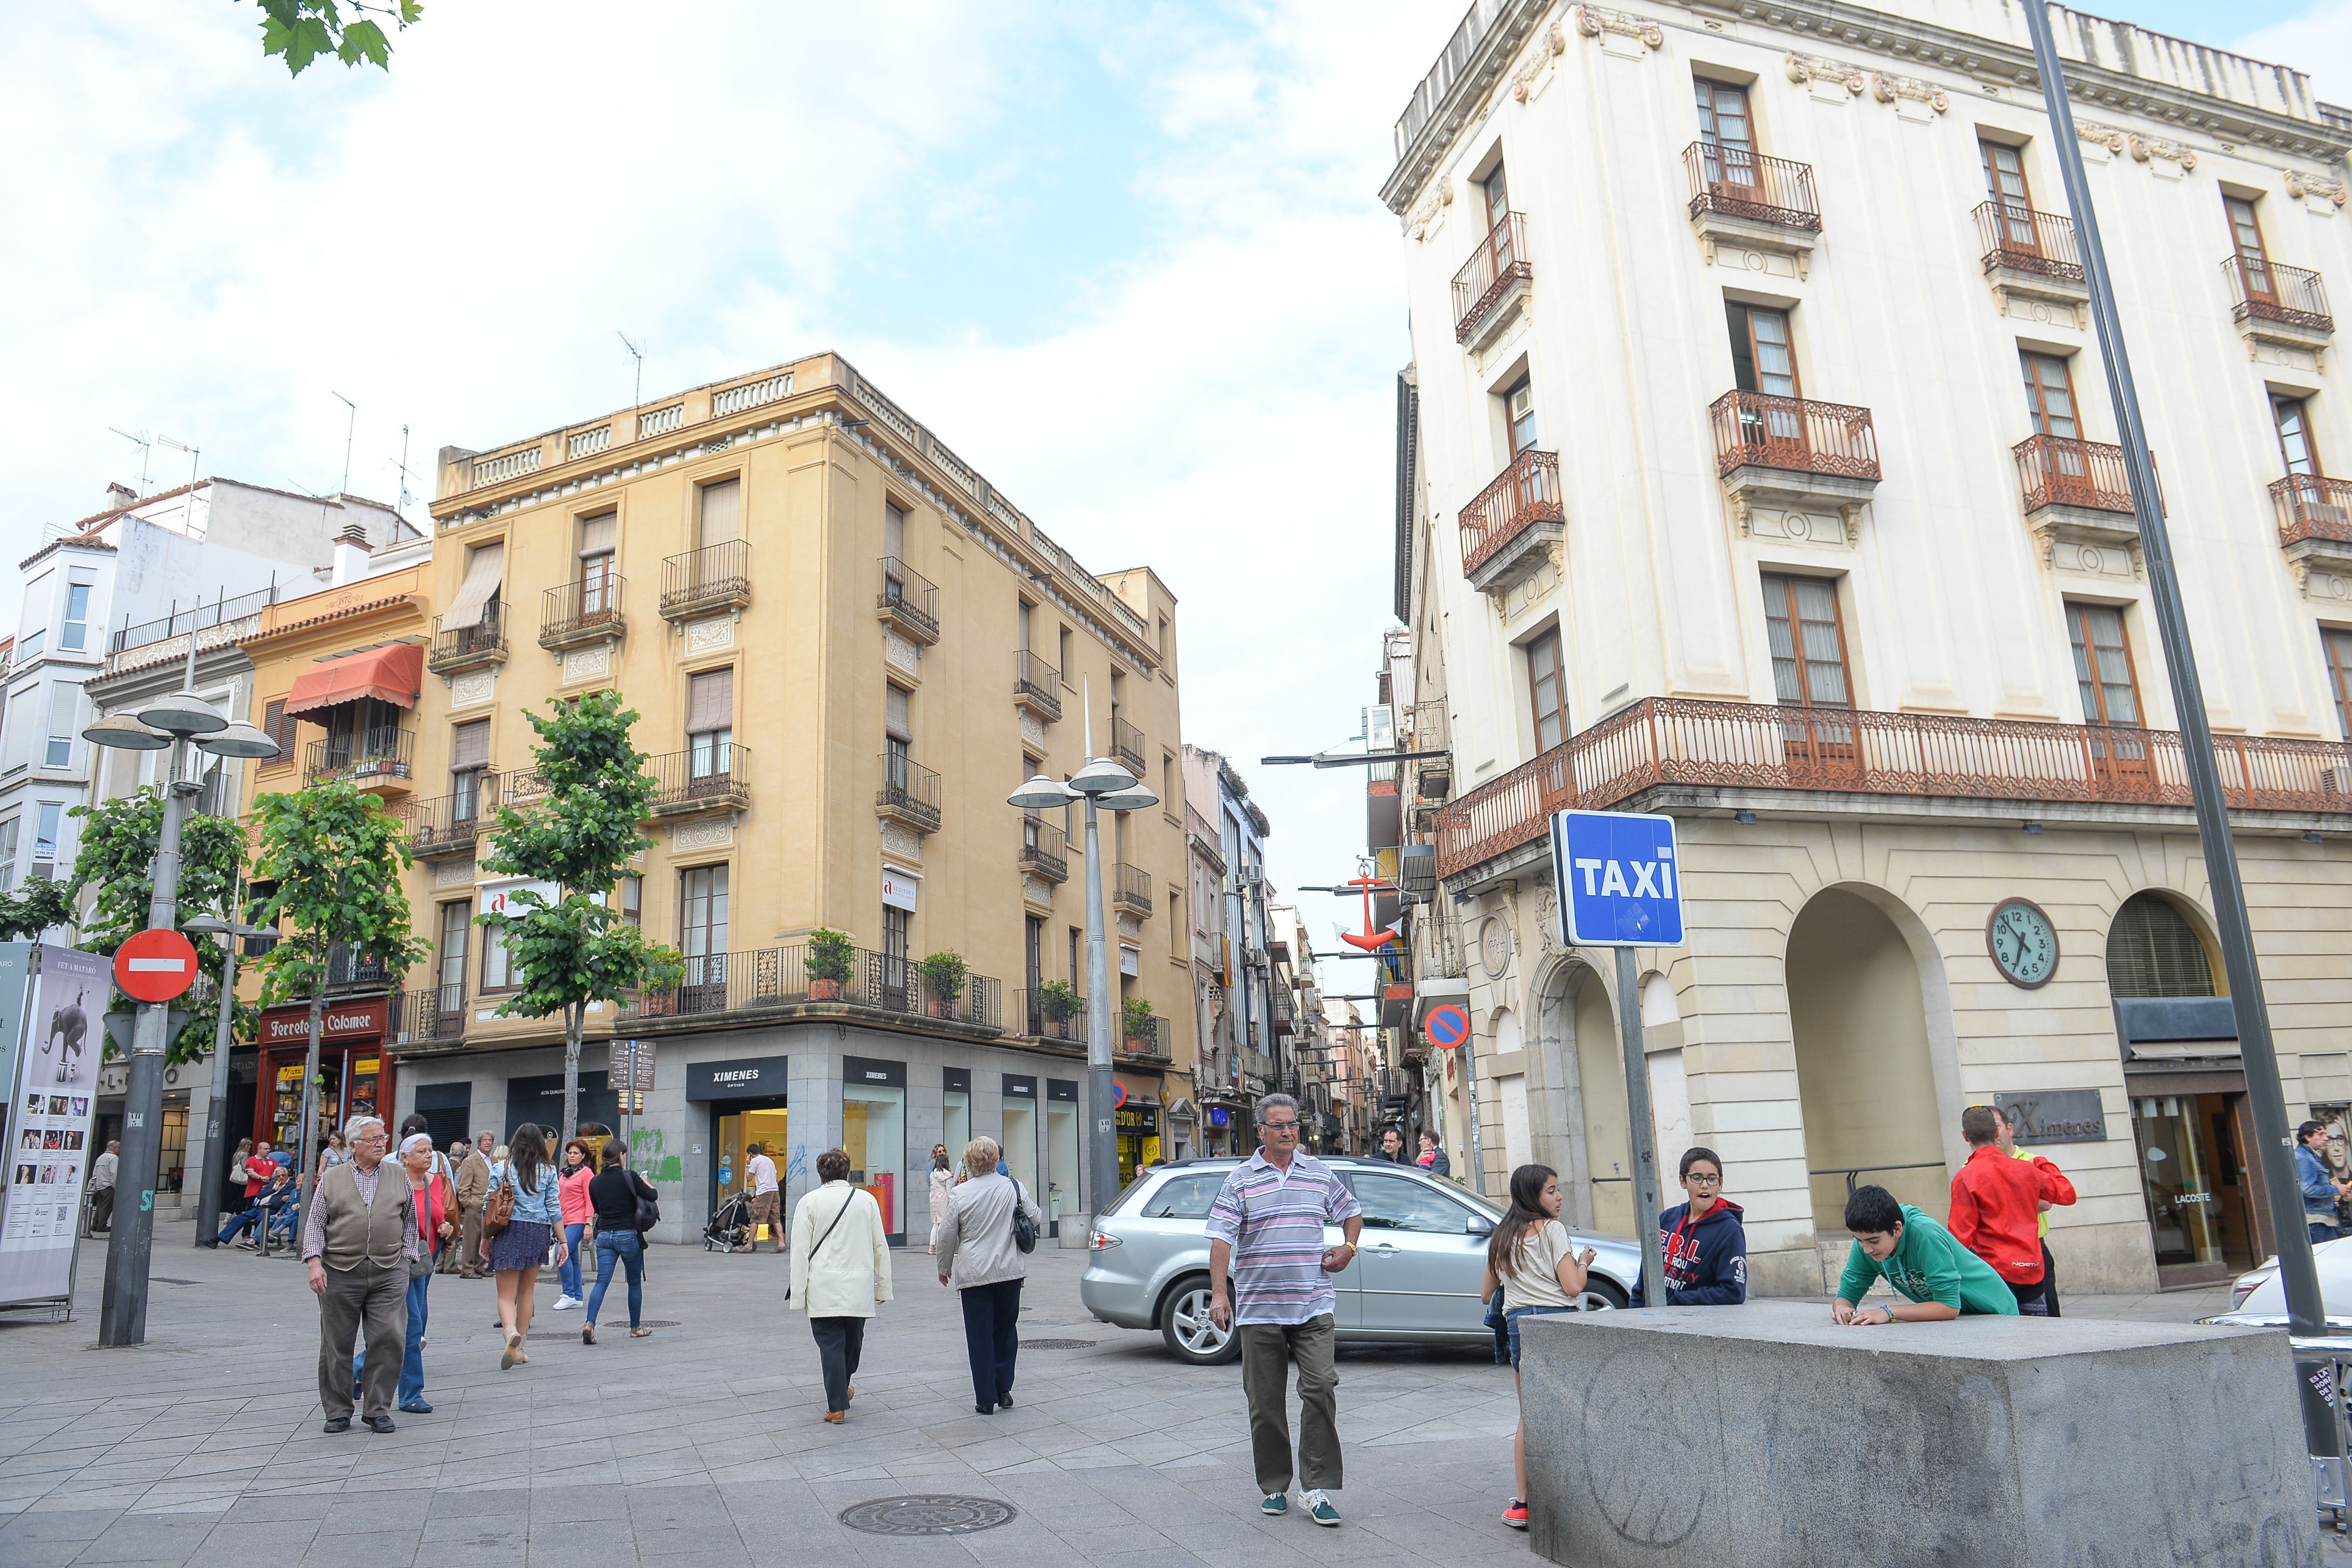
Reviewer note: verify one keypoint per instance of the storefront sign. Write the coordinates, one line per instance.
(496, 900)
(898, 889)
(750, 1078)
(1138, 1121)
(2056, 1116)
(539, 1100)
(1020, 1088)
(360, 1022)
(885, 1075)
(1062, 1088)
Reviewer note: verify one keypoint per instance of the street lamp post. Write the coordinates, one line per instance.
(175, 720)
(1100, 784)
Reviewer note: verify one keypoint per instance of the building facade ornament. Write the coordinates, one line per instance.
(1592, 22)
(2144, 148)
(714, 832)
(902, 842)
(1033, 730)
(453, 874)
(2098, 135)
(2300, 184)
(710, 636)
(473, 686)
(1889, 88)
(1802, 69)
(900, 654)
(594, 662)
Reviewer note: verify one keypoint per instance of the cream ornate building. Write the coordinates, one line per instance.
(1755, 470)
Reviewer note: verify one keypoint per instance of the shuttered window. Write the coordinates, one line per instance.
(598, 535)
(2153, 952)
(2102, 664)
(278, 728)
(711, 701)
(720, 521)
(894, 531)
(894, 715)
(470, 746)
(1808, 642)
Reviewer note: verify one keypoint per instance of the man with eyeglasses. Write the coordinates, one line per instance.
(1266, 1236)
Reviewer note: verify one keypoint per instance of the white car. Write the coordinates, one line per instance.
(2257, 1297)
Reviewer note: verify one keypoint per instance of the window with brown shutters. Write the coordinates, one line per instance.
(711, 723)
(469, 746)
(720, 519)
(2102, 664)
(2337, 648)
(2152, 950)
(1547, 692)
(279, 728)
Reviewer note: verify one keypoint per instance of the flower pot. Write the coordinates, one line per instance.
(825, 990)
(941, 1008)
(1139, 1047)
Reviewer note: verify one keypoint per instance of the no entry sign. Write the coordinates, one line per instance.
(1446, 1026)
(155, 966)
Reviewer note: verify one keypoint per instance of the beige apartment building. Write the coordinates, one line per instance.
(845, 648)
(1758, 469)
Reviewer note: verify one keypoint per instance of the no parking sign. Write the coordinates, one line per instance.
(1446, 1026)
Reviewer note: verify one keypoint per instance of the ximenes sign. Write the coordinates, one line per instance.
(748, 1078)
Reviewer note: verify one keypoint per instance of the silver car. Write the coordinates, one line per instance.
(1414, 1280)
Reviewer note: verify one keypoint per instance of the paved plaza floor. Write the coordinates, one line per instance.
(703, 1445)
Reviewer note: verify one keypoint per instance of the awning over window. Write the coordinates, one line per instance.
(484, 570)
(392, 673)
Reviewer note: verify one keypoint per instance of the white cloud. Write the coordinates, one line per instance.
(2318, 43)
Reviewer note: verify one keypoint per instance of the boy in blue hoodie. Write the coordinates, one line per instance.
(1704, 1240)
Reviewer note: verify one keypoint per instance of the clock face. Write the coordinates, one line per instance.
(2025, 943)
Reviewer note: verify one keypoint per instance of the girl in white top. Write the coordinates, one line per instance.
(1533, 1259)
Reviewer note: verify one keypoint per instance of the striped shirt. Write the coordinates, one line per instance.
(1273, 1221)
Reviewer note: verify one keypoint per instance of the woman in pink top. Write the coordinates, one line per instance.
(572, 1190)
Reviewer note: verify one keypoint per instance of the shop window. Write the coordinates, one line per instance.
(874, 1134)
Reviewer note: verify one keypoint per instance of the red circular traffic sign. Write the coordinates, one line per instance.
(1118, 1095)
(1446, 1026)
(155, 966)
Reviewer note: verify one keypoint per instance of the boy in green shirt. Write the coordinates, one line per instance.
(1938, 1276)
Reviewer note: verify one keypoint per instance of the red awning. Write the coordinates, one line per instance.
(392, 673)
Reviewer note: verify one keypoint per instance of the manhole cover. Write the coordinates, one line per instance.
(1057, 1344)
(926, 1515)
(160, 1279)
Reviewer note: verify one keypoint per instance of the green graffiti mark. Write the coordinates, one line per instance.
(645, 1140)
(673, 1169)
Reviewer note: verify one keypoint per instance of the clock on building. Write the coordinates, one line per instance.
(2025, 943)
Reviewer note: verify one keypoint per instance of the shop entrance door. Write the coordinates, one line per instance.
(2192, 1170)
(735, 1126)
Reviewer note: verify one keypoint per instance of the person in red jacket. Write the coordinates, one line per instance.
(1996, 1205)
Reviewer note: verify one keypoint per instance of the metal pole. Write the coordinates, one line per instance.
(2265, 1096)
(1643, 1138)
(1103, 1160)
(1469, 1049)
(122, 1309)
(208, 1200)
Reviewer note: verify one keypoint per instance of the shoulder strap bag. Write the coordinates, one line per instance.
(648, 1204)
(1025, 1229)
(498, 1211)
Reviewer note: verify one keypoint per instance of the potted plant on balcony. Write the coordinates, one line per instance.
(944, 975)
(1059, 1004)
(1135, 1015)
(829, 959)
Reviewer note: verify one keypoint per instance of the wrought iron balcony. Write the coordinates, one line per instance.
(449, 823)
(909, 793)
(908, 602)
(1493, 283)
(715, 777)
(2016, 239)
(348, 969)
(2312, 508)
(802, 975)
(1509, 528)
(1037, 686)
(437, 1013)
(368, 758)
(1127, 746)
(1131, 890)
(2270, 300)
(469, 648)
(1049, 1015)
(1044, 850)
(582, 613)
(2086, 475)
(1144, 1041)
(1735, 182)
(701, 582)
(1794, 435)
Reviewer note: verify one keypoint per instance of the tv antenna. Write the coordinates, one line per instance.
(196, 454)
(146, 444)
(400, 507)
(638, 354)
(350, 427)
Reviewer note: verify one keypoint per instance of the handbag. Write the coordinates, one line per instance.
(1025, 1229)
(497, 1212)
(648, 1204)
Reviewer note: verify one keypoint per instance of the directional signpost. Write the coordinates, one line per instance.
(630, 1074)
(1619, 885)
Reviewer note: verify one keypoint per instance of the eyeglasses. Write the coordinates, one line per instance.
(1278, 1127)
(373, 1138)
(1699, 1178)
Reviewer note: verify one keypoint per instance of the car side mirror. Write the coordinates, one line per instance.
(1478, 1224)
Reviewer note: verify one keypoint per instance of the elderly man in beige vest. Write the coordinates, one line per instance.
(358, 1237)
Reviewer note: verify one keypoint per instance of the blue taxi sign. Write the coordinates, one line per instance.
(1619, 881)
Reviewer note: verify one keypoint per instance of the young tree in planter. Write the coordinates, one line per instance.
(580, 836)
(335, 855)
(117, 857)
(33, 909)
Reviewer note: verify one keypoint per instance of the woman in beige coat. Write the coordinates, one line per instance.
(978, 1256)
(943, 1186)
(841, 1272)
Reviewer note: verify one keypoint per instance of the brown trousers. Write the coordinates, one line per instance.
(768, 1209)
(470, 1242)
(367, 1303)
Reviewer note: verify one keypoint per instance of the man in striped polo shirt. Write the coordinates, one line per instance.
(1266, 1230)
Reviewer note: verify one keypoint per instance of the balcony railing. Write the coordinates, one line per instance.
(2310, 507)
(348, 968)
(1739, 745)
(1793, 434)
(1525, 494)
(448, 825)
(1037, 1019)
(194, 619)
(462, 648)
(1037, 685)
(580, 612)
(1127, 746)
(1499, 262)
(707, 778)
(796, 976)
(1131, 890)
(1044, 850)
(2053, 471)
(2022, 240)
(2265, 292)
(1147, 1041)
(1737, 183)
(909, 792)
(716, 576)
(522, 785)
(435, 1012)
(362, 757)
(909, 600)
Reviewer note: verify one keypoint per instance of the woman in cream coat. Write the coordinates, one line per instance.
(841, 1272)
(943, 1186)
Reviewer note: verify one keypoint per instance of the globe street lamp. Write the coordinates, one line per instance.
(1102, 784)
(175, 720)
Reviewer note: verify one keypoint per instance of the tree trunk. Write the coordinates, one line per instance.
(573, 1020)
(306, 1134)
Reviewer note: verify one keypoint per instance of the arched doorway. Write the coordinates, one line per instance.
(1866, 1072)
(1576, 1100)
(2190, 1124)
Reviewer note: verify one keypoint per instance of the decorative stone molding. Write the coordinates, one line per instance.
(1523, 81)
(1901, 90)
(900, 654)
(710, 636)
(1595, 23)
(901, 841)
(2118, 561)
(1036, 891)
(594, 662)
(1423, 218)
(2144, 148)
(1130, 928)
(453, 874)
(2323, 587)
(711, 833)
(1807, 69)
(2300, 184)
(1033, 730)
(473, 686)
(2102, 136)
(1791, 526)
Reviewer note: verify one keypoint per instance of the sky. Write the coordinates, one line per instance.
(1128, 261)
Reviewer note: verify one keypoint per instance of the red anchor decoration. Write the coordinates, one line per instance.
(1370, 941)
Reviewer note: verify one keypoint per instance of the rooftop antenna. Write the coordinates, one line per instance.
(146, 444)
(400, 507)
(350, 426)
(196, 454)
(639, 355)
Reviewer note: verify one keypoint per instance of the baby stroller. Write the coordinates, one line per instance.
(729, 1229)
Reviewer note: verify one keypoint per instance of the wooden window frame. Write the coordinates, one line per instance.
(1710, 135)
(2254, 270)
(2078, 615)
(2302, 406)
(494, 941)
(1786, 581)
(2333, 640)
(1548, 637)
(1747, 314)
(2037, 410)
(1487, 184)
(465, 954)
(2013, 213)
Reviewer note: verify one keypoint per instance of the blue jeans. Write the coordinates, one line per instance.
(628, 1249)
(1511, 1325)
(412, 1356)
(2320, 1231)
(242, 1224)
(570, 1272)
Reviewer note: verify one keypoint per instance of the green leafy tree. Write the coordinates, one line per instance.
(34, 909)
(335, 856)
(300, 31)
(580, 836)
(115, 863)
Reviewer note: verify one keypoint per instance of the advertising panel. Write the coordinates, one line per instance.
(49, 1124)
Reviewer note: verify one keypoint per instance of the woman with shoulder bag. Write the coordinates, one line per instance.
(237, 1176)
(437, 1224)
(983, 1252)
(525, 1187)
(841, 1272)
(617, 1195)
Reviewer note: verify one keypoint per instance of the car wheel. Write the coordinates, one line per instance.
(1191, 1337)
(1601, 1296)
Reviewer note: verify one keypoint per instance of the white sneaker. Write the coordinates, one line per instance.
(565, 1303)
